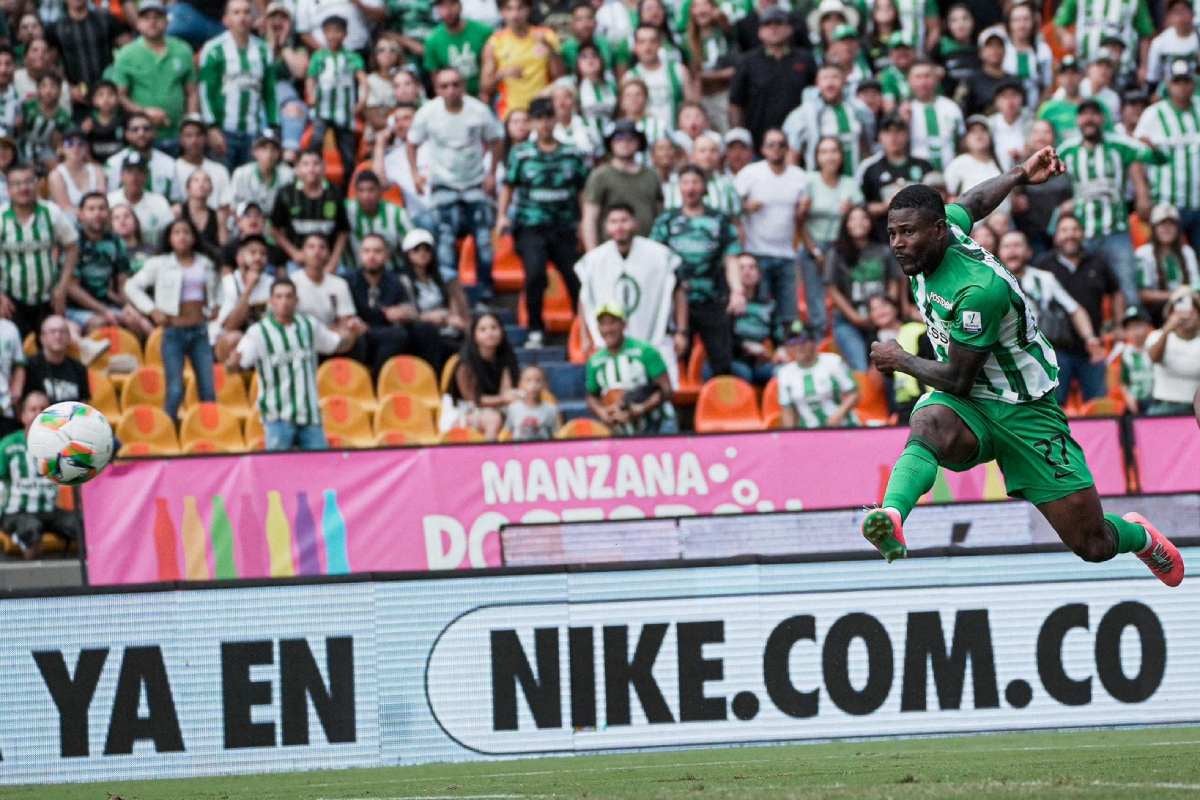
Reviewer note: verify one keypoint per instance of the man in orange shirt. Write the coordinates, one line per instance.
(520, 60)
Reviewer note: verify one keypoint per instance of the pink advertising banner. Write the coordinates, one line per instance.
(1168, 454)
(333, 512)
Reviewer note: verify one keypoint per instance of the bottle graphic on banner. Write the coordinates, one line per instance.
(195, 554)
(306, 537)
(221, 534)
(255, 561)
(279, 537)
(333, 525)
(166, 549)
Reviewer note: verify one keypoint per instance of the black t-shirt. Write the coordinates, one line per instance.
(883, 178)
(370, 301)
(65, 381)
(296, 214)
(980, 88)
(1087, 284)
(767, 89)
(106, 140)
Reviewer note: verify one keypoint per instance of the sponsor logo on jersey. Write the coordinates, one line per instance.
(972, 321)
(941, 301)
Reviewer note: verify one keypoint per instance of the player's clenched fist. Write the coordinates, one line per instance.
(887, 356)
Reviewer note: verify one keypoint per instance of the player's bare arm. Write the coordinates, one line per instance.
(955, 376)
(984, 198)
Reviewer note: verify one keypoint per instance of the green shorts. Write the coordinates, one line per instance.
(1031, 442)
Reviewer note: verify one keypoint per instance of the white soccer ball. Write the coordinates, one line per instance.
(70, 442)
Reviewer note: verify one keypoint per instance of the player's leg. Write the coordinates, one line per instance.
(939, 435)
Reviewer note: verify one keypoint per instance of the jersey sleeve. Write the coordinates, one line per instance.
(591, 382)
(249, 348)
(65, 233)
(844, 377)
(978, 311)
(325, 339)
(959, 216)
(655, 366)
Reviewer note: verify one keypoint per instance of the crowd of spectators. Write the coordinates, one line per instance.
(270, 183)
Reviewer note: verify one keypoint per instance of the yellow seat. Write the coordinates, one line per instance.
(346, 418)
(214, 423)
(347, 442)
(203, 446)
(256, 437)
(231, 392)
(460, 436)
(146, 423)
(400, 411)
(146, 386)
(583, 428)
(145, 449)
(103, 395)
(412, 376)
(348, 378)
(448, 373)
(153, 353)
(401, 439)
(120, 342)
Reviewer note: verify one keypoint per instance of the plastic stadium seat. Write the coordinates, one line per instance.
(120, 342)
(508, 271)
(146, 386)
(204, 446)
(583, 428)
(460, 436)
(691, 375)
(144, 449)
(230, 391)
(401, 411)
(253, 388)
(1103, 407)
(410, 375)
(566, 380)
(557, 311)
(770, 400)
(872, 397)
(448, 373)
(346, 442)
(400, 439)
(214, 423)
(104, 396)
(256, 437)
(348, 378)
(727, 403)
(147, 423)
(575, 351)
(347, 418)
(153, 352)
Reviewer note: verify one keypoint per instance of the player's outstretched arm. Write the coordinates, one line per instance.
(956, 375)
(983, 198)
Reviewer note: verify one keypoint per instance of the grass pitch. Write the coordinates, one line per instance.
(1144, 763)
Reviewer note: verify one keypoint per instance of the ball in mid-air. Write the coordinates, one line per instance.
(70, 442)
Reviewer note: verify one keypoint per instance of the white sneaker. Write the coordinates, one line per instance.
(122, 364)
(91, 349)
(534, 341)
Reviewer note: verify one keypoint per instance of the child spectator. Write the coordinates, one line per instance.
(336, 89)
(527, 417)
(816, 390)
(44, 123)
(484, 379)
(32, 505)
(105, 125)
(1137, 372)
(902, 390)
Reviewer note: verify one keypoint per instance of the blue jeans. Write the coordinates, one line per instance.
(195, 28)
(190, 341)
(814, 290)
(851, 342)
(1117, 250)
(460, 214)
(283, 435)
(238, 149)
(1091, 377)
(779, 284)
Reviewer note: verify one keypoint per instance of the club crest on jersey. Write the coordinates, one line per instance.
(972, 321)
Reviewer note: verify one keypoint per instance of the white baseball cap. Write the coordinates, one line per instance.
(415, 238)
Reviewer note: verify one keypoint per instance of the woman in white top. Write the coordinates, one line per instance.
(977, 162)
(1175, 352)
(185, 289)
(830, 197)
(1164, 263)
(596, 90)
(75, 175)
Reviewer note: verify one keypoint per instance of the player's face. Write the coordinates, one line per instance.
(916, 244)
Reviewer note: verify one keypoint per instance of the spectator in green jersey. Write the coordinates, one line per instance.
(336, 89)
(457, 42)
(628, 388)
(156, 75)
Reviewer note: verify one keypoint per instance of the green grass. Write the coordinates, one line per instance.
(1157, 762)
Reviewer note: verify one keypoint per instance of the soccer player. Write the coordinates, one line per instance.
(993, 383)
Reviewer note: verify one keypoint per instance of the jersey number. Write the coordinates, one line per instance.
(1059, 460)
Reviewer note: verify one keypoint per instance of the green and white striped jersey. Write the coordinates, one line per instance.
(815, 392)
(27, 491)
(237, 85)
(972, 300)
(38, 129)
(337, 85)
(912, 15)
(1129, 19)
(1137, 371)
(286, 359)
(721, 195)
(1098, 174)
(1176, 132)
(665, 85)
(389, 221)
(935, 129)
(10, 108)
(1166, 272)
(248, 184)
(28, 261)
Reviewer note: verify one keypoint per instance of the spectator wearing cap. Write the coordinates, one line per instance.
(96, 292)
(289, 58)
(86, 36)
(237, 86)
(368, 212)
(845, 51)
(745, 31)
(770, 80)
(438, 304)
(1133, 105)
(1164, 263)
(1010, 123)
(893, 79)
(1173, 126)
(359, 16)
(977, 91)
(1062, 109)
(542, 183)
(139, 138)
(739, 150)
(1026, 54)
(1098, 164)
(193, 133)
(706, 242)
(935, 122)
(627, 380)
(310, 205)
(1137, 371)
(977, 162)
(1090, 20)
(1178, 40)
(39, 62)
(771, 192)
(76, 174)
(259, 181)
(829, 114)
(156, 74)
(816, 390)
(244, 293)
(249, 220)
(889, 171)
(152, 209)
(623, 179)
(870, 95)
(336, 89)
(519, 60)
(1175, 351)
(458, 42)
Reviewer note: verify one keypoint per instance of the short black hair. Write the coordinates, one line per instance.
(91, 195)
(313, 235)
(921, 197)
(693, 169)
(621, 206)
(366, 176)
(282, 280)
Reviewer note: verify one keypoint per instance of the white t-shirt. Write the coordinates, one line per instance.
(232, 286)
(311, 13)
(1009, 138)
(1177, 376)
(771, 231)
(12, 355)
(152, 211)
(1167, 46)
(966, 172)
(216, 173)
(327, 301)
(457, 141)
(399, 171)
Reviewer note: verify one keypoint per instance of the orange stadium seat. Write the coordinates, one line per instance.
(691, 375)
(348, 378)
(153, 351)
(148, 423)
(872, 398)
(256, 437)
(204, 446)
(448, 373)
(508, 271)
(575, 351)
(1102, 407)
(401, 411)
(771, 412)
(557, 310)
(120, 342)
(583, 428)
(461, 436)
(400, 439)
(346, 418)
(727, 403)
(410, 375)
(231, 392)
(144, 449)
(104, 395)
(146, 386)
(214, 423)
